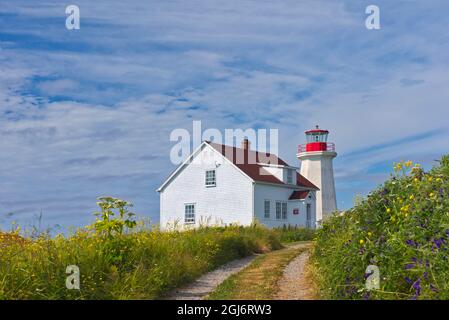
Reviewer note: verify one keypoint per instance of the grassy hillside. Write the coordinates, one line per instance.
(402, 227)
(141, 265)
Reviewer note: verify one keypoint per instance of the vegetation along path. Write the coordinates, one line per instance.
(275, 275)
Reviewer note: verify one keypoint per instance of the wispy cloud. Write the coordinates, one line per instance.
(89, 112)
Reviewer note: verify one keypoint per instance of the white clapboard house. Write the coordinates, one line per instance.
(220, 185)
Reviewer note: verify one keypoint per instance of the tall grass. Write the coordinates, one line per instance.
(402, 227)
(289, 233)
(140, 265)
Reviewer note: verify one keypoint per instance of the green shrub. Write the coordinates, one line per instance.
(292, 234)
(402, 227)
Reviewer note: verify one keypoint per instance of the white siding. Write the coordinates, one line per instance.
(230, 201)
(264, 192)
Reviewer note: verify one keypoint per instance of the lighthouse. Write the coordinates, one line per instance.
(316, 165)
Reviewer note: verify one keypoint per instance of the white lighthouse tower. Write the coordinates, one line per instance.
(316, 165)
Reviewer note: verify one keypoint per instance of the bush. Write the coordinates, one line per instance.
(292, 234)
(402, 227)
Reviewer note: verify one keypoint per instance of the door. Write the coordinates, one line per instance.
(308, 215)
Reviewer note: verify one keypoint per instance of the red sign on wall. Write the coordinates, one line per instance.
(296, 211)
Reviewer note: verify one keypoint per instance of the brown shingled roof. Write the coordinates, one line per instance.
(254, 170)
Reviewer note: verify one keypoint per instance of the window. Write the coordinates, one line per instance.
(281, 210)
(289, 176)
(210, 178)
(278, 210)
(267, 209)
(189, 211)
(284, 210)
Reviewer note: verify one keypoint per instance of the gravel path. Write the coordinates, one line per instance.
(206, 284)
(294, 284)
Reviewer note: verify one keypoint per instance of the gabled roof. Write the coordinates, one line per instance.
(299, 195)
(256, 171)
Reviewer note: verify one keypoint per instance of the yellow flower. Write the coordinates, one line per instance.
(431, 194)
(430, 179)
(408, 163)
(362, 241)
(388, 210)
(439, 180)
(412, 197)
(416, 180)
(393, 219)
(369, 234)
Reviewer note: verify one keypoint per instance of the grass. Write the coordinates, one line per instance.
(139, 265)
(289, 234)
(259, 280)
(402, 227)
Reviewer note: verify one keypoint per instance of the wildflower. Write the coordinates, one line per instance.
(370, 234)
(438, 243)
(438, 180)
(409, 266)
(388, 210)
(412, 197)
(430, 179)
(417, 287)
(431, 194)
(408, 164)
(433, 288)
(411, 243)
(416, 180)
(362, 241)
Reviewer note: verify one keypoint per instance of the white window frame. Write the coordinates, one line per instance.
(284, 211)
(210, 181)
(266, 213)
(189, 213)
(289, 176)
(278, 212)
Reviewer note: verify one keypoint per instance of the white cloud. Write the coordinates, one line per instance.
(136, 71)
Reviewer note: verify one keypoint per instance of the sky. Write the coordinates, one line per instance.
(89, 112)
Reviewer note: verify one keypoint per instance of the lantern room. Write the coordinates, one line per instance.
(317, 141)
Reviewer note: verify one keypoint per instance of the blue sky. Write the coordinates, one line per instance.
(89, 112)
